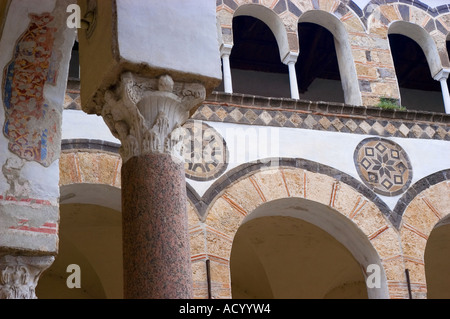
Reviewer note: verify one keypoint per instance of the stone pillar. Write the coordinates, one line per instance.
(146, 114)
(442, 77)
(36, 47)
(290, 61)
(19, 275)
(225, 52)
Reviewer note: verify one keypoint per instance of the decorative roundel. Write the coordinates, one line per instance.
(383, 166)
(205, 151)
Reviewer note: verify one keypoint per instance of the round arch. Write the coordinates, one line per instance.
(423, 39)
(90, 237)
(90, 182)
(347, 69)
(349, 209)
(338, 227)
(92, 194)
(272, 20)
(437, 260)
(382, 16)
(430, 208)
(90, 228)
(90, 166)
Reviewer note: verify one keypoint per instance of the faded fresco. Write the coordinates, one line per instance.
(30, 122)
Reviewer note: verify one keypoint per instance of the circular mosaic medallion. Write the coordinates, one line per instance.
(205, 151)
(383, 166)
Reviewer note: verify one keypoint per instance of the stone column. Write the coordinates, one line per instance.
(146, 114)
(290, 61)
(442, 77)
(143, 72)
(19, 275)
(225, 52)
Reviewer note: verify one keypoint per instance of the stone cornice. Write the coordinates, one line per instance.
(323, 116)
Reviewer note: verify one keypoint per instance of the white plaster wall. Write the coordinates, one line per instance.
(328, 148)
(93, 194)
(190, 26)
(79, 125)
(250, 143)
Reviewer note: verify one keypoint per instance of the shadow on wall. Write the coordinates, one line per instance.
(437, 261)
(297, 248)
(90, 237)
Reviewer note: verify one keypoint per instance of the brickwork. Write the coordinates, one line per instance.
(94, 167)
(419, 219)
(398, 236)
(367, 33)
(239, 199)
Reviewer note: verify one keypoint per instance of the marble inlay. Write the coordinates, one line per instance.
(383, 166)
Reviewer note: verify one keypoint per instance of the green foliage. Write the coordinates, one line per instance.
(390, 104)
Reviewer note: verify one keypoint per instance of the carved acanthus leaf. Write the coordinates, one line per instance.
(147, 114)
(19, 275)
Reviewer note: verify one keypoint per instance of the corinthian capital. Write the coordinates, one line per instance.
(146, 114)
(19, 275)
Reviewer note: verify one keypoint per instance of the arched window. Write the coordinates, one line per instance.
(418, 90)
(74, 65)
(437, 260)
(416, 62)
(336, 35)
(317, 67)
(255, 62)
(287, 248)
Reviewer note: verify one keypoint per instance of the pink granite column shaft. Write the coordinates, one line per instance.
(156, 249)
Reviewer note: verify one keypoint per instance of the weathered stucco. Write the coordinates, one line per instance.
(34, 35)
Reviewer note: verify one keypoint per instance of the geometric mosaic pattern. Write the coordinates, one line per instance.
(383, 166)
(72, 99)
(331, 117)
(205, 151)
